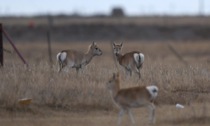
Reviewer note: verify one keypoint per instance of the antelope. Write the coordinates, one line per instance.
(133, 97)
(77, 59)
(131, 61)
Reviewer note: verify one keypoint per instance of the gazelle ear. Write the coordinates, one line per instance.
(94, 43)
(121, 44)
(113, 75)
(118, 75)
(113, 44)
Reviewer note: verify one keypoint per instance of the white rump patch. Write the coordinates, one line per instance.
(142, 57)
(138, 57)
(61, 56)
(153, 90)
(58, 56)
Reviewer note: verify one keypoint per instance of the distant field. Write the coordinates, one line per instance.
(67, 99)
(153, 20)
(65, 29)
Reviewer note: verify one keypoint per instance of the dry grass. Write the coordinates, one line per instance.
(55, 93)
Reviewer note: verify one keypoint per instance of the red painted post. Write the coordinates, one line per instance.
(49, 46)
(16, 50)
(1, 47)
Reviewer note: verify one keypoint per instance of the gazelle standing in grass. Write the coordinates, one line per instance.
(131, 61)
(77, 59)
(134, 97)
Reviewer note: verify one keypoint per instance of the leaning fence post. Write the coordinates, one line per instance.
(14, 47)
(1, 47)
(177, 54)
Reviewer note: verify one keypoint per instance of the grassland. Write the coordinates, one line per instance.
(67, 99)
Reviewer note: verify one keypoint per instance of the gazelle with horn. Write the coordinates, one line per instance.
(131, 61)
(77, 59)
(133, 97)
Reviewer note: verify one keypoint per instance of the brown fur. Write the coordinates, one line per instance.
(77, 59)
(127, 60)
(130, 98)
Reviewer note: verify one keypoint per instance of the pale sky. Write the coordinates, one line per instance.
(90, 7)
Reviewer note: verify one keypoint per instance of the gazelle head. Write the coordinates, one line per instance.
(113, 82)
(117, 48)
(95, 50)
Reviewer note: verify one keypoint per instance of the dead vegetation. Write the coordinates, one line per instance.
(49, 89)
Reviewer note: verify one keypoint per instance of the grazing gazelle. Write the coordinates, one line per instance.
(77, 59)
(131, 61)
(133, 97)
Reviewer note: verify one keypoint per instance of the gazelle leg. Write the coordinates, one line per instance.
(130, 73)
(77, 70)
(139, 74)
(121, 113)
(126, 72)
(137, 71)
(152, 113)
(60, 66)
(131, 116)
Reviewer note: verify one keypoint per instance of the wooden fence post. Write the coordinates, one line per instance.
(1, 46)
(50, 25)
